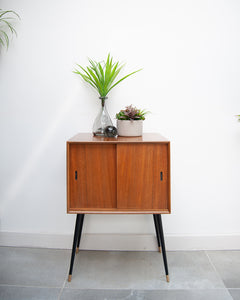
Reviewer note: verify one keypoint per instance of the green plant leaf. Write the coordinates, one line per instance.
(124, 78)
(1, 41)
(102, 74)
(5, 37)
(86, 77)
(4, 12)
(131, 113)
(5, 20)
(9, 26)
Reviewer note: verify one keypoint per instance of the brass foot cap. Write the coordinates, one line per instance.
(167, 277)
(77, 250)
(69, 278)
(160, 249)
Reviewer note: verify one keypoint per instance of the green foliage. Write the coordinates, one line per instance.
(238, 117)
(6, 16)
(131, 113)
(102, 75)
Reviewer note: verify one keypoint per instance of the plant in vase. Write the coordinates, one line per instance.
(102, 77)
(130, 121)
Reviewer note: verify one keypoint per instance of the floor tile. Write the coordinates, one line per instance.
(235, 293)
(227, 264)
(33, 267)
(28, 293)
(74, 294)
(142, 270)
(213, 294)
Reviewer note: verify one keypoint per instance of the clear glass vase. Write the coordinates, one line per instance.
(102, 120)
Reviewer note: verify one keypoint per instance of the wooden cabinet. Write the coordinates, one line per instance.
(118, 175)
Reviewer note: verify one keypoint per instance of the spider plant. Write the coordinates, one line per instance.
(102, 75)
(6, 16)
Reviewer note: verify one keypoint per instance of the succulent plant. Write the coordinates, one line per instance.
(131, 113)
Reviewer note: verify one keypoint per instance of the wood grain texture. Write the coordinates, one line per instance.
(139, 184)
(95, 186)
(117, 211)
(145, 138)
(118, 175)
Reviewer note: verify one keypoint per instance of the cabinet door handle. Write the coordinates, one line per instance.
(76, 175)
(161, 176)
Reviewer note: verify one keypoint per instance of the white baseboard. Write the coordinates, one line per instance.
(121, 242)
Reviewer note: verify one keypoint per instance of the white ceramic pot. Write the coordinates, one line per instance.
(130, 128)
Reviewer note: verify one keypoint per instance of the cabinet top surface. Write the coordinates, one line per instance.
(145, 138)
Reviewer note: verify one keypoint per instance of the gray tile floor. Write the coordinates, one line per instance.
(28, 273)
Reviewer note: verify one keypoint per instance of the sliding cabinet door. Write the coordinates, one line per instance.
(91, 176)
(143, 176)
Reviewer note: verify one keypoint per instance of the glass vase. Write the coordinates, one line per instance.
(102, 120)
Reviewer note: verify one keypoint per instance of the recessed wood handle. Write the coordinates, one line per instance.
(161, 176)
(76, 175)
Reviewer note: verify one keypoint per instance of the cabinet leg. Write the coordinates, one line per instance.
(157, 232)
(80, 233)
(75, 239)
(159, 218)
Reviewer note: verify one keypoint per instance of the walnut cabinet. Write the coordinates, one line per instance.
(118, 175)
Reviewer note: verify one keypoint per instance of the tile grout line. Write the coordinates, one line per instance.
(115, 289)
(215, 269)
(150, 289)
(63, 285)
(31, 286)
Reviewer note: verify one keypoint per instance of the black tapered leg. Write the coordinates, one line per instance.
(75, 239)
(157, 232)
(80, 233)
(159, 218)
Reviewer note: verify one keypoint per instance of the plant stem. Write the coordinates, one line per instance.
(103, 100)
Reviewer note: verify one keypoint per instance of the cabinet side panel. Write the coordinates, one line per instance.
(92, 176)
(142, 180)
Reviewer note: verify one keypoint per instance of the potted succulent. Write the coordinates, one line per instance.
(102, 77)
(130, 121)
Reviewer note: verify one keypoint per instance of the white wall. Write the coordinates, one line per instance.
(189, 52)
